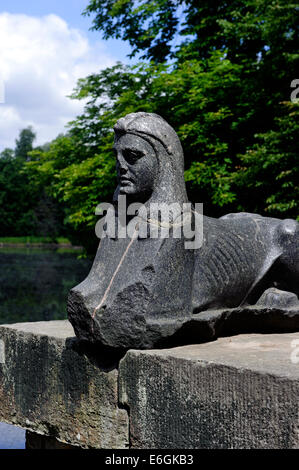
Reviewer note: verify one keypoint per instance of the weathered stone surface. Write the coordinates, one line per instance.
(53, 385)
(239, 392)
(236, 392)
(212, 324)
(143, 289)
(134, 294)
(37, 441)
(276, 298)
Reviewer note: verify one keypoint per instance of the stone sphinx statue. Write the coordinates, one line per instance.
(145, 291)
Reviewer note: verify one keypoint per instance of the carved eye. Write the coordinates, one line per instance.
(132, 156)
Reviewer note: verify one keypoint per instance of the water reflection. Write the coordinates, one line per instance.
(34, 283)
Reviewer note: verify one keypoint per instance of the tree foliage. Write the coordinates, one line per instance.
(149, 26)
(223, 92)
(270, 169)
(24, 144)
(17, 197)
(76, 177)
(26, 207)
(244, 28)
(220, 73)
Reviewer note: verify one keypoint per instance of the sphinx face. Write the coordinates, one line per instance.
(137, 167)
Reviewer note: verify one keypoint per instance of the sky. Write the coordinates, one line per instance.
(45, 46)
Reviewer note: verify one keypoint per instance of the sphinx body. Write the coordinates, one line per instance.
(242, 256)
(141, 291)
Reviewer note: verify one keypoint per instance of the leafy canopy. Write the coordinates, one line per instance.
(220, 73)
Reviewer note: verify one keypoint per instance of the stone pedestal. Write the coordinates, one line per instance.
(36, 441)
(53, 386)
(236, 392)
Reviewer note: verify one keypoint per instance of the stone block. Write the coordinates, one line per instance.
(52, 385)
(236, 392)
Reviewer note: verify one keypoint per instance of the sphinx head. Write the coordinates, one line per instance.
(149, 159)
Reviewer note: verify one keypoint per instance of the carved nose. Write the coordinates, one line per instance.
(123, 170)
(122, 165)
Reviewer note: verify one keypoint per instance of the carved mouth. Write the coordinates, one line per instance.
(125, 181)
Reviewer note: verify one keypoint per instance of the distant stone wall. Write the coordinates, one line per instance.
(236, 392)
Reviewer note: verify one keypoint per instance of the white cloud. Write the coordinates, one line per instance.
(40, 61)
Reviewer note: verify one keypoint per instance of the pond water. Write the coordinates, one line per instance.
(34, 282)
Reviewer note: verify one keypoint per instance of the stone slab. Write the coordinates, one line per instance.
(52, 385)
(235, 392)
(212, 324)
(37, 441)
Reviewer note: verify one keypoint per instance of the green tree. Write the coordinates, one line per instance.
(222, 90)
(7, 154)
(17, 199)
(230, 71)
(78, 175)
(269, 171)
(243, 28)
(149, 26)
(24, 144)
(25, 206)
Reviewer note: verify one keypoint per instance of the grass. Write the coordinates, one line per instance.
(30, 240)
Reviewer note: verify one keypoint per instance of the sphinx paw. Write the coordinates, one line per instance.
(275, 298)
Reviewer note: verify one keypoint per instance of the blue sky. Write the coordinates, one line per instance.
(70, 11)
(45, 46)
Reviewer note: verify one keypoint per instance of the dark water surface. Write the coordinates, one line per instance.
(34, 282)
